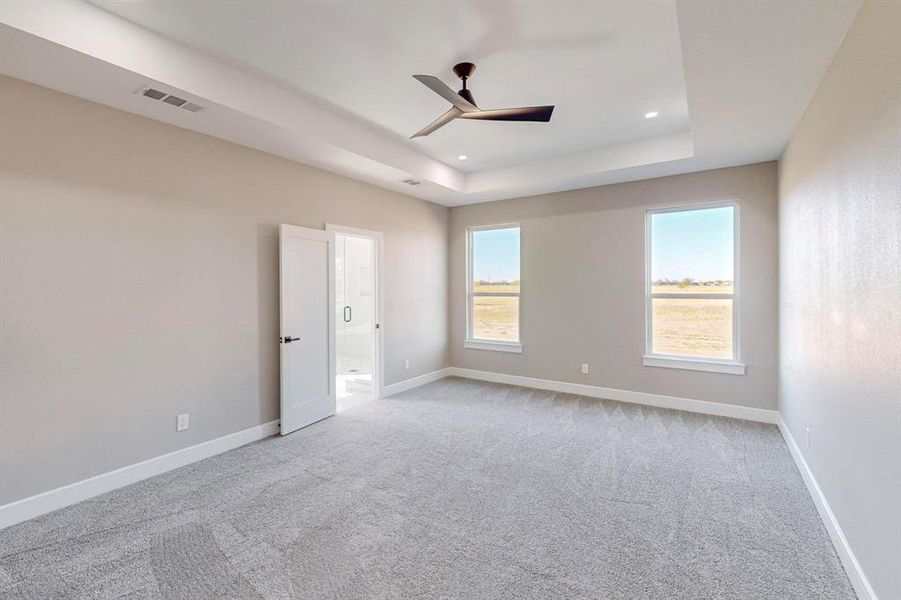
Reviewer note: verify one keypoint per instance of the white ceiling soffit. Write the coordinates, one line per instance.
(329, 84)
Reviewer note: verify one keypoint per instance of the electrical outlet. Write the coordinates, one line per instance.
(181, 423)
(584, 368)
(407, 364)
(807, 436)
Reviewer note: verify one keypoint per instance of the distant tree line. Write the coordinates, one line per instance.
(688, 281)
(497, 282)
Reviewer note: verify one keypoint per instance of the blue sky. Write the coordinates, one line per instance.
(495, 254)
(692, 243)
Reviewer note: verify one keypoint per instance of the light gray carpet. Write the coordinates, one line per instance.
(457, 489)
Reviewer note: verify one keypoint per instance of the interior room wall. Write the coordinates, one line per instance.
(139, 281)
(583, 270)
(840, 290)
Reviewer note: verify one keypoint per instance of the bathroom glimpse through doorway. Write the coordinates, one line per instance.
(357, 316)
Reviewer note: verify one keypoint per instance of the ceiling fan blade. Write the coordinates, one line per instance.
(441, 88)
(441, 121)
(525, 113)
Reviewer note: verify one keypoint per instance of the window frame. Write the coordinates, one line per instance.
(733, 365)
(471, 341)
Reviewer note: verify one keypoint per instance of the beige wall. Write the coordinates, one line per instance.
(840, 290)
(583, 285)
(139, 281)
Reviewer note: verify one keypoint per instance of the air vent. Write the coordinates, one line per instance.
(411, 182)
(155, 94)
(167, 98)
(174, 100)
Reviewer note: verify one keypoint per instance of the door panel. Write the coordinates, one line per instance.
(307, 295)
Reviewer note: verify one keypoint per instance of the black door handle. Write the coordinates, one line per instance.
(288, 339)
(348, 314)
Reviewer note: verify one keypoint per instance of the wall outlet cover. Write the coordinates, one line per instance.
(584, 368)
(181, 423)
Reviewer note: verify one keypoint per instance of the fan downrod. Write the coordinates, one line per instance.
(464, 71)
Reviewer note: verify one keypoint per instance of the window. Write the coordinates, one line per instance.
(492, 288)
(692, 288)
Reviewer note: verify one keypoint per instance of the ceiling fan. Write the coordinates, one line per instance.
(464, 106)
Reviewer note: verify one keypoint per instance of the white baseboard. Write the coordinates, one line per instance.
(747, 413)
(849, 561)
(34, 506)
(414, 382)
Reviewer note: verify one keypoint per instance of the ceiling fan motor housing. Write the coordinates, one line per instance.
(464, 70)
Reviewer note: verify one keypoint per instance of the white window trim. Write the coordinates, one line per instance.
(693, 364)
(474, 343)
(497, 346)
(733, 366)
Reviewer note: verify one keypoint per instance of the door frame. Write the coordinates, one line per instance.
(379, 238)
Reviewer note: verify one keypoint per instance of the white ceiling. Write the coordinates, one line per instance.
(604, 65)
(330, 83)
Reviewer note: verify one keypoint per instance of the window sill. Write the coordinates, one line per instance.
(514, 347)
(694, 364)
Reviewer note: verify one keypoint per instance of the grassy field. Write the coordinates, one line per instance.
(683, 327)
(495, 287)
(494, 318)
(692, 327)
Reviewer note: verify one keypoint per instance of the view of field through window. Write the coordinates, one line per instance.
(692, 256)
(692, 327)
(495, 287)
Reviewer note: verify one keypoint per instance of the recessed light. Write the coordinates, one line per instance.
(651, 115)
(462, 157)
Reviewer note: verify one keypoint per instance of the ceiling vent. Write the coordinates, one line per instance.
(411, 182)
(174, 100)
(166, 97)
(155, 94)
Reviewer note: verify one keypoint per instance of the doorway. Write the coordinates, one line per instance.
(357, 309)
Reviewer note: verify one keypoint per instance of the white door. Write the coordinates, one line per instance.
(307, 340)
